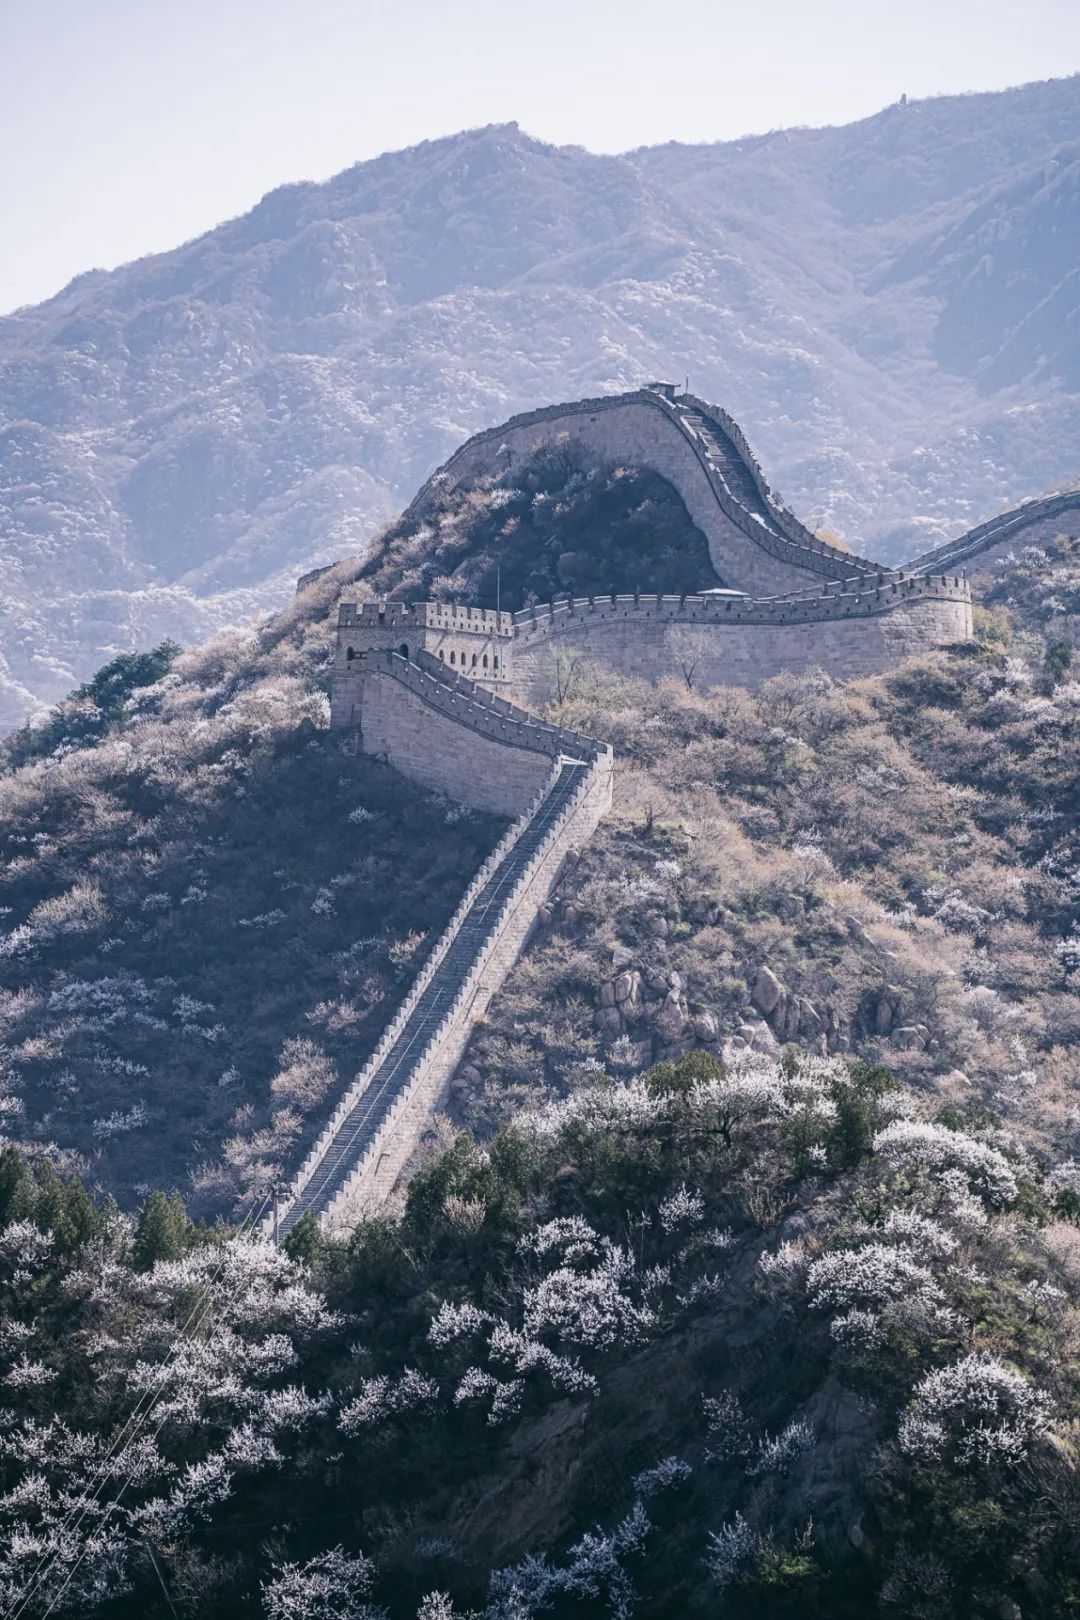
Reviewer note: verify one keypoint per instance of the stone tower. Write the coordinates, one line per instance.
(474, 642)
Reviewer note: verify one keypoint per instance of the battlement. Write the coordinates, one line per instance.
(379, 615)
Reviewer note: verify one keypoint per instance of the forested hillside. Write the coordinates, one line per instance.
(744, 1278)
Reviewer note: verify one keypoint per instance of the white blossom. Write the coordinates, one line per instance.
(452, 1322)
(858, 1330)
(24, 1247)
(527, 1355)
(776, 1454)
(732, 1546)
(665, 1475)
(588, 1308)
(937, 1148)
(331, 1586)
(681, 1208)
(383, 1397)
(569, 1235)
(977, 1411)
(868, 1277)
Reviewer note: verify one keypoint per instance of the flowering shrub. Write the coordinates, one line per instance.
(730, 1550)
(381, 1398)
(868, 1277)
(331, 1586)
(975, 1411)
(911, 1142)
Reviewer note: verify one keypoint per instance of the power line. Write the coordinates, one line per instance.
(138, 1417)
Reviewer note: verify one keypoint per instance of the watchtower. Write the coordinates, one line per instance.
(473, 642)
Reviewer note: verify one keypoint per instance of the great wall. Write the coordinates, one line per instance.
(444, 693)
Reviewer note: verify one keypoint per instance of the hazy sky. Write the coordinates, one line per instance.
(127, 126)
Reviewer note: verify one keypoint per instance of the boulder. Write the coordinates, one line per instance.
(889, 1012)
(811, 1024)
(657, 925)
(760, 1037)
(670, 1021)
(910, 1038)
(607, 1018)
(767, 990)
(627, 987)
(705, 1026)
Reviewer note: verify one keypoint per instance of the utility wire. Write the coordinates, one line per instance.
(137, 1417)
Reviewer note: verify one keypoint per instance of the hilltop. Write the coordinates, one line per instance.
(888, 308)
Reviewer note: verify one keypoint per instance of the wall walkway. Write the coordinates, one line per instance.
(377, 1123)
(1038, 519)
(850, 629)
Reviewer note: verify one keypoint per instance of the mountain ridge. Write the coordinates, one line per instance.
(181, 436)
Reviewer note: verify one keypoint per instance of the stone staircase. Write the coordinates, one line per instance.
(730, 467)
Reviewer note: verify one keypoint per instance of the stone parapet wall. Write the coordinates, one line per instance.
(390, 1034)
(645, 429)
(446, 733)
(1036, 520)
(724, 642)
(400, 1130)
(374, 1178)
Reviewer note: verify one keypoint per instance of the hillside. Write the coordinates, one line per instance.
(776, 1120)
(889, 308)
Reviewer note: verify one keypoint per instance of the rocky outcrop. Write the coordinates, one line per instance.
(789, 1016)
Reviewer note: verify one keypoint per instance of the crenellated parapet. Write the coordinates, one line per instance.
(850, 628)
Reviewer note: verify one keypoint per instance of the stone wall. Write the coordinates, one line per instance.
(377, 1169)
(439, 730)
(645, 429)
(374, 1178)
(718, 642)
(1034, 521)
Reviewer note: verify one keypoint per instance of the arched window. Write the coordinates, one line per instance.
(485, 661)
(474, 660)
(496, 663)
(453, 657)
(350, 654)
(404, 649)
(442, 656)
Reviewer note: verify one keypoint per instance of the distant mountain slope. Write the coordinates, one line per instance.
(890, 308)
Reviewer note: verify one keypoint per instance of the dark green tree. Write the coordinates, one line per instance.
(163, 1232)
(304, 1242)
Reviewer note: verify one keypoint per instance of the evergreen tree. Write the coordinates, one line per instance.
(16, 1186)
(163, 1232)
(304, 1242)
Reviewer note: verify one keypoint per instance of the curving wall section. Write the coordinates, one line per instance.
(702, 452)
(448, 734)
(849, 630)
(1035, 520)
